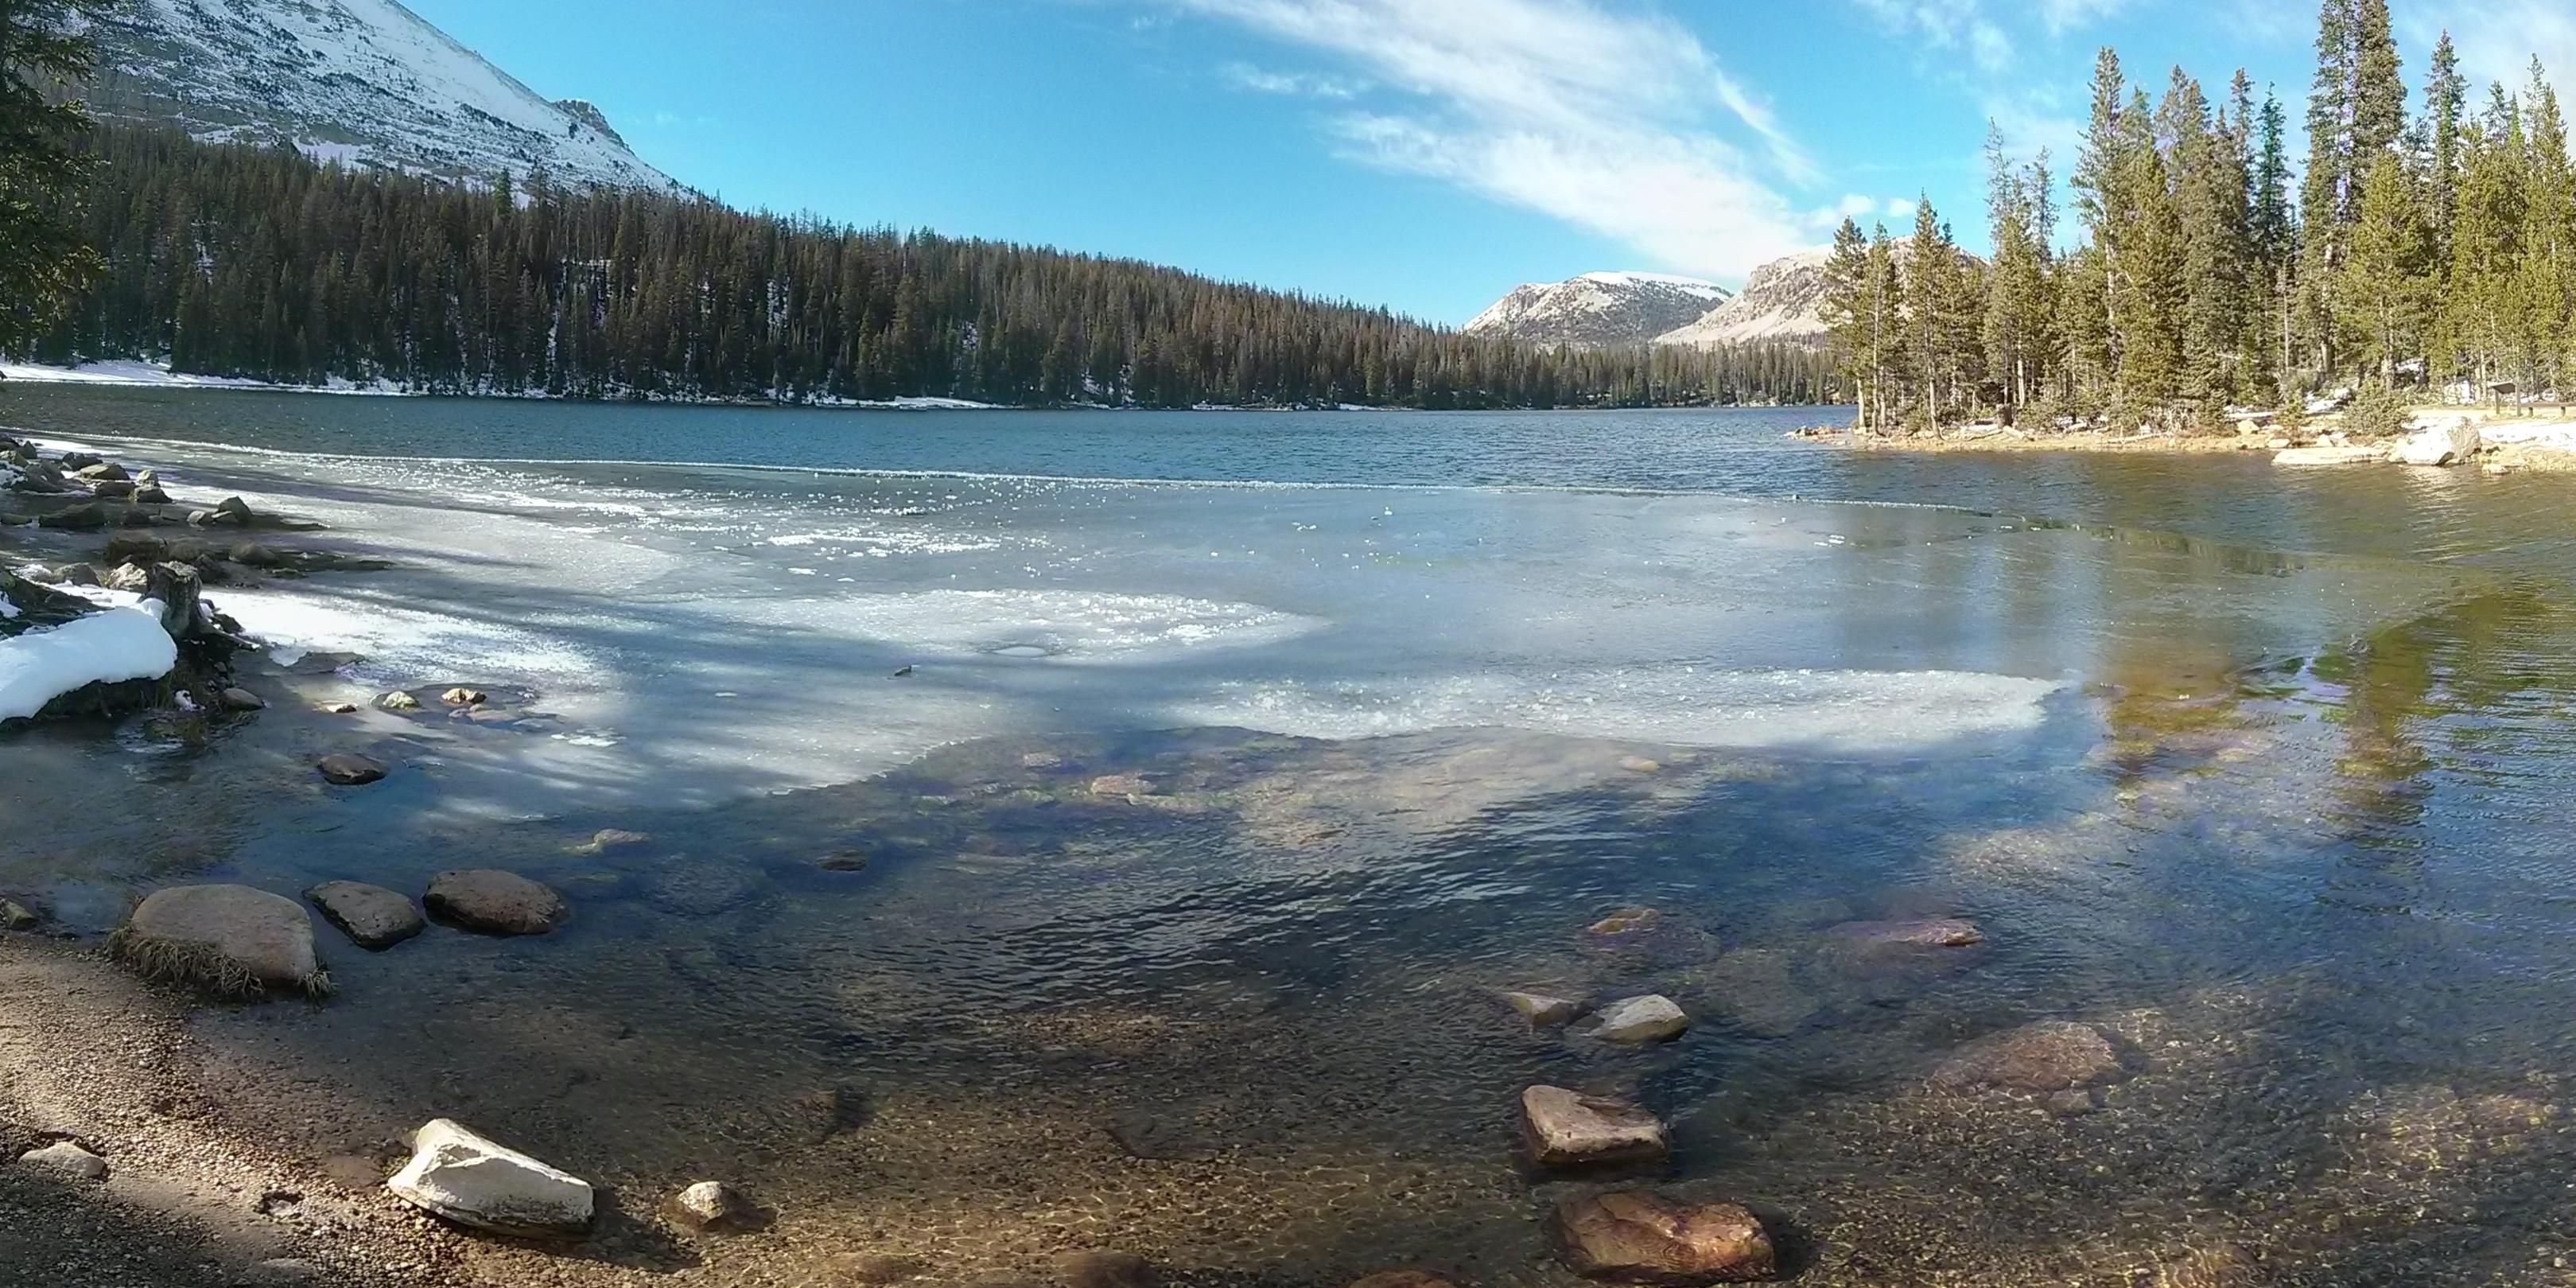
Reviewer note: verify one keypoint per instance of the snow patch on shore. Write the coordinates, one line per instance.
(125, 373)
(103, 648)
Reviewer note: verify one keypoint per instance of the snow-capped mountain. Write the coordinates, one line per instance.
(1782, 300)
(1598, 308)
(364, 82)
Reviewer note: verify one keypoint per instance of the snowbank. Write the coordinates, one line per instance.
(102, 648)
(145, 375)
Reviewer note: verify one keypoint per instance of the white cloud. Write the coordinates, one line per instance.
(2497, 39)
(1292, 84)
(1621, 122)
(1960, 25)
(2062, 16)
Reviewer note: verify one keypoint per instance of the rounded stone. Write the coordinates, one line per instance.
(1637, 1237)
(495, 902)
(349, 770)
(66, 1159)
(372, 916)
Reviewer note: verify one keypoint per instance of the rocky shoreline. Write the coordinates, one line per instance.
(2446, 437)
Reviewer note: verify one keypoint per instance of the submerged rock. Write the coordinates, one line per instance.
(230, 940)
(1570, 1129)
(495, 902)
(1934, 932)
(2052, 1055)
(398, 701)
(2329, 456)
(18, 916)
(1127, 785)
(461, 697)
(610, 838)
(1093, 1268)
(1402, 1279)
(456, 1174)
(372, 916)
(1651, 1018)
(350, 770)
(67, 1159)
(238, 699)
(1637, 1237)
(1541, 1009)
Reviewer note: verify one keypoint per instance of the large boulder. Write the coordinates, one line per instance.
(372, 916)
(2451, 444)
(1570, 1129)
(495, 902)
(1636, 1237)
(472, 1181)
(2052, 1055)
(1651, 1018)
(227, 939)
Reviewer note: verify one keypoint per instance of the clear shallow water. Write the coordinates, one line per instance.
(2258, 773)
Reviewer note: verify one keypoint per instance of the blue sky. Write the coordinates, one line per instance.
(1425, 154)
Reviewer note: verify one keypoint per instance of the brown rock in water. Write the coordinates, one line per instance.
(372, 916)
(1938, 932)
(843, 861)
(495, 902)
(1570, 1129)
(399, 701)
(1402, 1279)
(348, 770)
(1542, 1010)
(242, 700)
(1625, 922)
(1637, 1237)
(611, 838)
(461, 697)
(2052, 1055)
(230, 940)
(1099, 1269)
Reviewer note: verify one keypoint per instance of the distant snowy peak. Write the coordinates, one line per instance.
(1598, 309)
(364, 82)
(1782, 300)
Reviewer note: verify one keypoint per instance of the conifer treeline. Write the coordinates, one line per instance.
(236, 261)
(2433, 253)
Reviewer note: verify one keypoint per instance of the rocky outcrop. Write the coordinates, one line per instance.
(230, 940)
(465, 1178)
(372, 916)
(1570, 1129)
(495, 902)
(2052, 1055)
(1651, 1018)
(1637, 1237)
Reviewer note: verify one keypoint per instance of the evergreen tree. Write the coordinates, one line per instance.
(2389, 279)
(43, 263)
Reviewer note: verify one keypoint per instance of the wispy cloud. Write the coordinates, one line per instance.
(1959, 26)
(1621, 122)
(1292, 84)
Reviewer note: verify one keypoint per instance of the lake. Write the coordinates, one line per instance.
(2258, 774)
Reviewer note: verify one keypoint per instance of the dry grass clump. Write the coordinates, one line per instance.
(196, 966)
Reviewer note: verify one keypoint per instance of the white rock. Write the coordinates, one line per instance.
(2329, 456)
(711, 1204)
(67, 1158)
(2451, 444)
(1652, 1018)
(467, 1179)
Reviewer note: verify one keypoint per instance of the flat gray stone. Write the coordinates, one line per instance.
(495, 902)
(67, 1159)
(372, 916)
(1651, 1018)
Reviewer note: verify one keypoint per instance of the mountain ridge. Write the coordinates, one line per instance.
(1596, 309)
(363, 82)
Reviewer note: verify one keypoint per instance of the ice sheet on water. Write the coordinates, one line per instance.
(1684, 706)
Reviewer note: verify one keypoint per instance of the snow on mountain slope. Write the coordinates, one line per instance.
(1782, 300)
(358, 81)
(1598, 308)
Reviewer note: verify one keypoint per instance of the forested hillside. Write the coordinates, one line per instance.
(2422, 254)
(238, 261)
